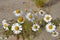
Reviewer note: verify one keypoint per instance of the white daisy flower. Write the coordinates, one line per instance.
(30, 17)
(41, 12)
(55, 34)
(47, 18)
(4, 21)
(50, 27)
(17, 13)
(5, 24)
(20, 20)
(16, 28)
(35, 27)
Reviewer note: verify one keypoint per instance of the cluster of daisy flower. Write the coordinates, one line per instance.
(17, 27)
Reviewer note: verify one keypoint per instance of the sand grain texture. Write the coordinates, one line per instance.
(8, 6)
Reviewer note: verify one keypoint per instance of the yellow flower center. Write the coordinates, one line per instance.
(47, 17)
(20, 19)
(16, 28)
(35, 27)
(5, 25)
(50, 27)
(30, 16)
(17, 11)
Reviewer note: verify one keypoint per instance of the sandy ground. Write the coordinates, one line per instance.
(8, 6)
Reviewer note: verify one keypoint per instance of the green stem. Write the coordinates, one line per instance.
(23, 34)
(17, 37)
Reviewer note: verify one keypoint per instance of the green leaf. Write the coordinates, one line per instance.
(39, 3)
